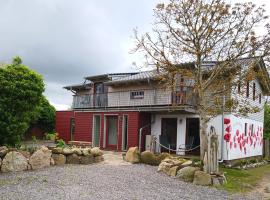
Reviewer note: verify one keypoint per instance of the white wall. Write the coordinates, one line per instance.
(239, 145)
(181, 127)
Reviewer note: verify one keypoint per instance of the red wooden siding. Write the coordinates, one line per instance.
(83, 126)
(62, 124)
(84, 123)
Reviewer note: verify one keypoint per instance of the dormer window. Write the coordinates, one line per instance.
(136, 94)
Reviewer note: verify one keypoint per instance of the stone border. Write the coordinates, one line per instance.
(14, 160)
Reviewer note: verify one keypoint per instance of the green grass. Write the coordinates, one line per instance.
(242, 181)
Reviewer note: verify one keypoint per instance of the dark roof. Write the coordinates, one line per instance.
(141, 76)
(108, 77)
(78, 86)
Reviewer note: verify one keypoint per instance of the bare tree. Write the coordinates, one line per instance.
(200, 31)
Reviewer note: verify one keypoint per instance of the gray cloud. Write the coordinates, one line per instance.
(65, 40)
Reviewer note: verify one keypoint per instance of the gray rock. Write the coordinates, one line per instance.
(215, 181)
(59, 159)
(86, 151)
(3, 151)
(164, 167)
(98, 159)
(86, 160)
(187, 163)
(52, 161)
(267, 189)
(97, 152)
(67, 151)
(132, 156)
(77, 151)
(202, 178)
(57, 150)
(73, 159)
(186, 174)
(41, 158)
(173, 171)
(14, 162)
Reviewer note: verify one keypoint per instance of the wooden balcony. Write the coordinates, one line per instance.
(135, 99)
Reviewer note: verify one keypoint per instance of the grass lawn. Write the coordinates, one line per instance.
(244, 180)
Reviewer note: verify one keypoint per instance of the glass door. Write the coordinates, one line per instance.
(96, 132)
(112, 123)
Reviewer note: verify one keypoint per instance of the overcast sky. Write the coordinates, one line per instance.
(66, 40)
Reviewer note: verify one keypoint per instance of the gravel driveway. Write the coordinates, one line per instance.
(101, 181)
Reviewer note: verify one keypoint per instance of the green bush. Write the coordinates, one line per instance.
(21, 92)
(60, 143)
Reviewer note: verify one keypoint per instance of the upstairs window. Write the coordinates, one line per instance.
(260, 98)
(136, 94)
(246, 126)
(247, 89)
(239, 88)
(254, 91)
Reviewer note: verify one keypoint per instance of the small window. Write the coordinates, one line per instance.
(254, 91)
(246, 129)
(247, 89)
(252, 129)
(137, 95)
(260, 98)
(239, 88)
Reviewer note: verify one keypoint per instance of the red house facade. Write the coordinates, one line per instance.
(118, 111)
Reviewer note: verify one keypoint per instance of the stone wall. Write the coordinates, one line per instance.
(14, 160)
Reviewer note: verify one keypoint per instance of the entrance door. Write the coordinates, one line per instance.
(96, 130)
(112, 129)
(168, 136)
(193, 135)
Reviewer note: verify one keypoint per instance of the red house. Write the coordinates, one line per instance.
(117, 111)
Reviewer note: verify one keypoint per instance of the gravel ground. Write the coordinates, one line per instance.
(101, 181)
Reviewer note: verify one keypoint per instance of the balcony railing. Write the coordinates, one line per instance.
(144, 98)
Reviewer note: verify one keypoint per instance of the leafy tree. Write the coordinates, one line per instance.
(21, 92)
(197, 31)
(266, 121)
(46, 116)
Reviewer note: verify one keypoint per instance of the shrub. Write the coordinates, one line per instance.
(60, 143)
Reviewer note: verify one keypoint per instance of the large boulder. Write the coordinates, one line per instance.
(149, 158)
(86, 151)
(57, 150)
(96, 151)
(98, 159)
(186, 174)
(67, 151)
(3, 151)
(59, 159)
(26, 154)
(77, 151)
(14, 162)
(133, 155)
(40, 158)
(73, 159)
(86, 160)
(173, 171)
(164, 167)
(187, 163)
(202, 178)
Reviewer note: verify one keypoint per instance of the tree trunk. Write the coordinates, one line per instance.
(203, 136)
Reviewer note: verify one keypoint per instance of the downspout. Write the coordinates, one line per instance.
(140, 133)
(222, 127)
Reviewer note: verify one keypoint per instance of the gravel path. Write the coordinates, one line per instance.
(102, 181)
